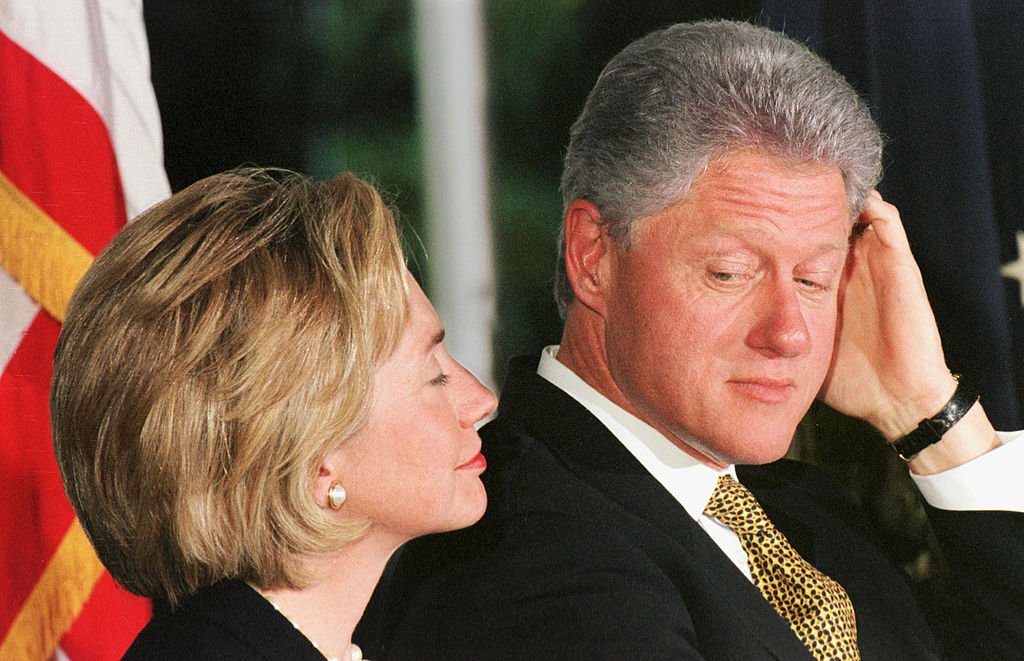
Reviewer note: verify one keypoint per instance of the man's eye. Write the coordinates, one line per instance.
(440, 380)
(814, 284)
(726, 276)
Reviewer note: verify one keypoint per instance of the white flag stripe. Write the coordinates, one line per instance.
(17, 311)
(52, 31)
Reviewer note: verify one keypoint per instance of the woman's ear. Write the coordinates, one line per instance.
(588, 253)
(328, 476)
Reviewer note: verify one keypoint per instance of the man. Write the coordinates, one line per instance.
(724, 261)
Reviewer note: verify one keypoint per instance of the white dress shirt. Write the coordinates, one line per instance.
(986, 483)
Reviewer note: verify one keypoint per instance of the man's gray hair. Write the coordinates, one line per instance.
(674, 99)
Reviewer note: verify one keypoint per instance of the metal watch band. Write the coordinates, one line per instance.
(930, 430)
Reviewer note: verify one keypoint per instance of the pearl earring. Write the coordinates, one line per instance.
(336, 495)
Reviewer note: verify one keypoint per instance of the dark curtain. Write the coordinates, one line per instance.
(945, 81)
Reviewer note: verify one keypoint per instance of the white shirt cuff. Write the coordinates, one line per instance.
(989, 482)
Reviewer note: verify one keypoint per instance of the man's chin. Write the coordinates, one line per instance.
(744, 452)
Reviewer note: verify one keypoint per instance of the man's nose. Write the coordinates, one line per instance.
(779, 328)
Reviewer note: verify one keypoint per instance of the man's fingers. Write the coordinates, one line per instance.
(884, 219)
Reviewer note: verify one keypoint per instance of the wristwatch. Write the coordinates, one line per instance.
(930, 430)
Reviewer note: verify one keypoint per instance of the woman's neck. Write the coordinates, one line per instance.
(327, 611)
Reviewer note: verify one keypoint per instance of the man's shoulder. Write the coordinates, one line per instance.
(797, 486)
(538, 581)
(533, 444)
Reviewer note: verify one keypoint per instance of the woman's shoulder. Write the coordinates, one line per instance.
(228, 620)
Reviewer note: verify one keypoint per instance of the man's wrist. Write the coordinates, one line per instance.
(905, 414)
(930, 430)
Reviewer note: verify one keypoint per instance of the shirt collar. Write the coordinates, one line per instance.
(689, 481)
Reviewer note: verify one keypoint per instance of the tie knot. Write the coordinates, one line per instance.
(734, 505)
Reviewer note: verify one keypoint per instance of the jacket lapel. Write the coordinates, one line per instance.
(730, 604)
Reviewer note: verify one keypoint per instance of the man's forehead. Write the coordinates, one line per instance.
(753, 182)
(744, 157)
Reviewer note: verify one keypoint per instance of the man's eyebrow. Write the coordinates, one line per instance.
(835, 245)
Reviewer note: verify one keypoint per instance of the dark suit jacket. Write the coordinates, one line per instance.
(227, 621)
(583, 555)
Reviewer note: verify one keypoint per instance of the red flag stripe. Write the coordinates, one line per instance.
(106, 613)
(56, 149)
(34, 511)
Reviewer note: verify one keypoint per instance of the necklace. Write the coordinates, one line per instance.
(354, 652)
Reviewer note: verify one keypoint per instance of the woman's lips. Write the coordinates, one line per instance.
(476, 463)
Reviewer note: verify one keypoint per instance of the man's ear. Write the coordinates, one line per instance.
(588, 254)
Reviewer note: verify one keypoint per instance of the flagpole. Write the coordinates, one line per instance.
(452, 99)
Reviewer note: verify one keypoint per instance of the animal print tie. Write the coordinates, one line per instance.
(816, 607)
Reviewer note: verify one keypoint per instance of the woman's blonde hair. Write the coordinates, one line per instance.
(213, 355)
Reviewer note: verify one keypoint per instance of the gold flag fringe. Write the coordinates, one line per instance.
(47, 262)
(56, 600)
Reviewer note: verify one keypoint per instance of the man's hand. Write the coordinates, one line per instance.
(888, 367)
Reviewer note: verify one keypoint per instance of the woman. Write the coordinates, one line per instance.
(253, 408)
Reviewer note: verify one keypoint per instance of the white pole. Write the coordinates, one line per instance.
(452, 107)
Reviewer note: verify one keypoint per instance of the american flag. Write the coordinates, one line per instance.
(80, 153)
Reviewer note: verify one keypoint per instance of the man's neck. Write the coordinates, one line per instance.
(583, 351)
